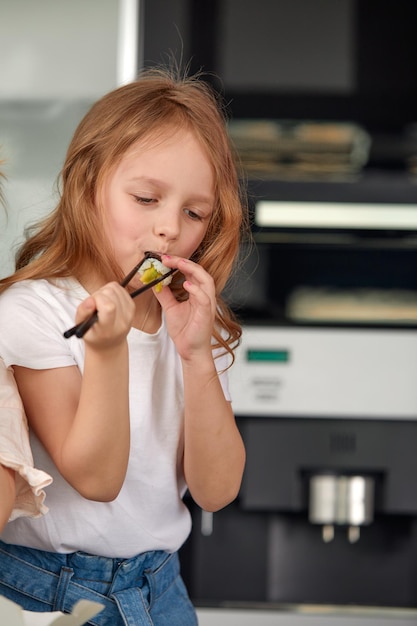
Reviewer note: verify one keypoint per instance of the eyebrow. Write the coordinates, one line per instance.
(209, 200)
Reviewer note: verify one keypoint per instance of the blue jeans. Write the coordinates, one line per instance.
(142, 591)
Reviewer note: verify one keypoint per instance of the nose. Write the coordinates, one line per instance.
(167, 225)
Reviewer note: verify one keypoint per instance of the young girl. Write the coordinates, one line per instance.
(138, 410)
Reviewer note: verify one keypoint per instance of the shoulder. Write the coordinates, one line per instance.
(43, 290)
(18, 299)
(31, 297)
(24, 293)
(33, 317)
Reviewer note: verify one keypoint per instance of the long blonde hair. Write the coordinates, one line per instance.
(71, 240)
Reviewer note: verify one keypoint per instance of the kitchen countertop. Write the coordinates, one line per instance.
(305, 615)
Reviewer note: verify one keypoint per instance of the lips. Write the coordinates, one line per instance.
(155, 254)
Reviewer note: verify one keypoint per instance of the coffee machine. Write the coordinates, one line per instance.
(324, 389)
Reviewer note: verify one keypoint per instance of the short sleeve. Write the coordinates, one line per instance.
(31, 327)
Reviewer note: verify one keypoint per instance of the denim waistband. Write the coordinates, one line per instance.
(126, 587)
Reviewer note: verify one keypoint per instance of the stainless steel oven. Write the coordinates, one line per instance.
(325, 392)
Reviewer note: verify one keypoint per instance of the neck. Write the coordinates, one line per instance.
(148, 315)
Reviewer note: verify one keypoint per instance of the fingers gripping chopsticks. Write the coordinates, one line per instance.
(80, 329)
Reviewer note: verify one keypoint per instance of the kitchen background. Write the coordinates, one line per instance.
(322, 96)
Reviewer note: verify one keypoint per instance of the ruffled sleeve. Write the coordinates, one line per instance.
(15, 451)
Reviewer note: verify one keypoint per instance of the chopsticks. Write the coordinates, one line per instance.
(80, 329)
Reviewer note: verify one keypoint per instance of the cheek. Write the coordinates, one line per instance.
(112, 228)
(121, 224)
(193, 242)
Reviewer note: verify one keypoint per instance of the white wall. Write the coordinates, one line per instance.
(57, 48)
(56, 58)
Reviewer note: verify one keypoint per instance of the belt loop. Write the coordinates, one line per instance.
(132, 607)
(64, 580)
(150, 579)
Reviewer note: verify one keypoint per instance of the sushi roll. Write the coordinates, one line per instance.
(151, 269)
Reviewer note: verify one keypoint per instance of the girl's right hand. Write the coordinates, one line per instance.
(115, 310)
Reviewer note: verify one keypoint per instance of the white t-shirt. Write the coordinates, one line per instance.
(148, 513)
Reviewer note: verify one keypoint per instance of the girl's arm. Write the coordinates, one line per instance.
(83, 421)
(7, 494)
(214, 454)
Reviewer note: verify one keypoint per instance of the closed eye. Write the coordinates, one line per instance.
(142, 200)
(193, 215)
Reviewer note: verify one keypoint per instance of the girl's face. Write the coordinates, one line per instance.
(159, 198)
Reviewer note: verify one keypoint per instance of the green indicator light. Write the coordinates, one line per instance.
(271, 356)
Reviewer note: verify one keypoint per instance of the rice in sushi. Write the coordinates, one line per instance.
(151, 269)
